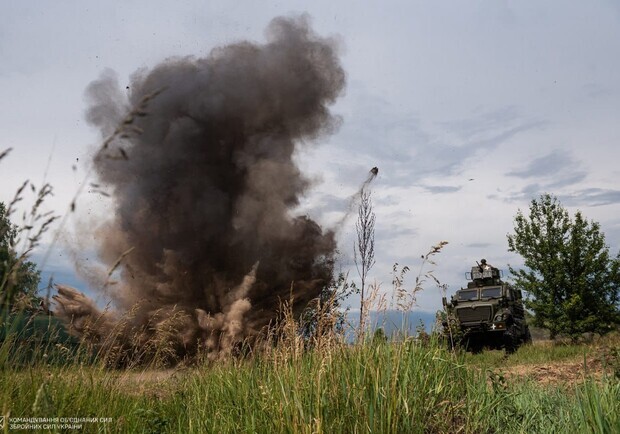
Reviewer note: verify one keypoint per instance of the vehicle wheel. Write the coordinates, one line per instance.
(511, 342)
(528, 336)
(475, 349)
(473, 346)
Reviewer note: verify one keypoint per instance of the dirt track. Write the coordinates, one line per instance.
(597, 362)
(566, 372)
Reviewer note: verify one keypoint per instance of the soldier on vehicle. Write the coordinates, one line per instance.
(484, 266)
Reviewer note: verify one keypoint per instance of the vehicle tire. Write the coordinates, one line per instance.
(473, 345)
(528, 336)
(511, 342)
(475, 348)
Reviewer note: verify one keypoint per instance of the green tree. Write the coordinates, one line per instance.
(19, 278)
(572, 281)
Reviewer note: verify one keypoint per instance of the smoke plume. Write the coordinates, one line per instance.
(204, 186)
(355, 198)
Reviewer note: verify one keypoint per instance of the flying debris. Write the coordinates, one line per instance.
(354, 198)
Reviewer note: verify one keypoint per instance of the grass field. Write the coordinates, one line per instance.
(397, 387)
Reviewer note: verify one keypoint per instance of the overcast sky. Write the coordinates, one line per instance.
(469, 109)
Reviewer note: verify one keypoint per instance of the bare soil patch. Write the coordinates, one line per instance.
(567, 372)
(553, 373)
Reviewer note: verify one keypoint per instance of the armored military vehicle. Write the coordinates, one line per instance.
(487, 313)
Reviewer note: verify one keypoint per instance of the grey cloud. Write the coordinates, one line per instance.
(449, 159)
(592, 197)
(468, 128)
(568, 179)
(394, 231)
(388, 200)
(330, 202)
(438, 189)
(546, 165)
(479, 245)
(385, 139)
(406, 151)
(595, 90)
(440, 158)
(497, 139)
(375, 128)
(553, 171)
(585, 197)
(527, 193)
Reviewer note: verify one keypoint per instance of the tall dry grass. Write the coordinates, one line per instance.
(409, 385)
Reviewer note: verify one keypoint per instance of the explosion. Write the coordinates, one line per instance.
(205, 191)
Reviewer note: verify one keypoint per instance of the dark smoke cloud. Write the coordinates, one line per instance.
(206, 194)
